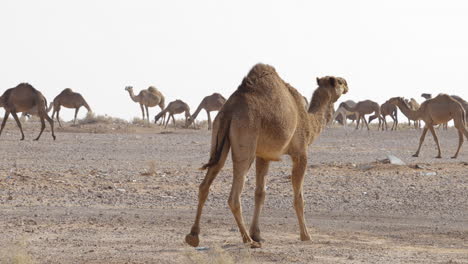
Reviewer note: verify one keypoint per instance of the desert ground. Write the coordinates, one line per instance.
(123, 193)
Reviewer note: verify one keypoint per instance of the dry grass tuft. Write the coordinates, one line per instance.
(142, 122)
(151, 171)
(92, 118)
(15, 254)
(219, 256)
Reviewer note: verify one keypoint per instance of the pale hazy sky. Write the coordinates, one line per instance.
(190, 49)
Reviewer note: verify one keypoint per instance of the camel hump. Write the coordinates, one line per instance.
(67, 91)
(259, 72)
(153, 90)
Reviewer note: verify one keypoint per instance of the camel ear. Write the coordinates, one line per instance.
(332, 81)
(318, 81)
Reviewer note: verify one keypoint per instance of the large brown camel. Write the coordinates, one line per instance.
(387, 109)
(264, 119)
(24, 98)
(150, 97)
(438, 110)
(69, 99)
(362, 109)
(173, 108)
(341, 112)
(210, 103)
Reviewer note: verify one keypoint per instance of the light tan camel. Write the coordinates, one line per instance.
(457, 98)
(414, 105)
(341, 112)
(24, 98)
(210, 103)
(264, 119)
(339, 118)
(387, 109)
(173, 108)
(362, 109)
(69, 99)
(438, 110)
(150, 97)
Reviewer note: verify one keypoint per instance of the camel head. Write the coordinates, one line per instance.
(398, 101)
(329, 90)
(426, 96)
(129, 88)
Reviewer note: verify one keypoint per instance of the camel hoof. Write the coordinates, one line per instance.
(439, 157)
(257, 238)
(192, 239)
(454, 157)
(416, 155)
(53, 137)
(305, 238)
(255, 244)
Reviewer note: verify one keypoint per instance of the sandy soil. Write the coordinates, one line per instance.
(120, 194)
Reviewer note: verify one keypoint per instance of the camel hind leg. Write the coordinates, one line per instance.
(243, 154)
(461, 127)
(209, 119)
(439, 155)
(5, 118)
(76, 114)
(261, 167)
(42, 129)
(18, 123)
(204, 189)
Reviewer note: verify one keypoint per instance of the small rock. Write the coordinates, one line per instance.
(395, 161)
(365, 167)
(120, 190)
(430, 173)
(202, 248)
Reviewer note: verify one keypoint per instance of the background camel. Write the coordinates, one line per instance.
(24, 98)
(438, 110)
(210, 103)
(264, 119)
(339, 118)
(69, 99)
(174, 107)
(362, 109)
(341, 112)
(387, 109)
(414, 105)
(150, 97)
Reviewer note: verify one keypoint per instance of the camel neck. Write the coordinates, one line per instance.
(132, 95)
(410, 113)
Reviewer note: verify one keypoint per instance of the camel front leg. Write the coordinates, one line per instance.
(365, 122)
(436, 141)
(76, 114)
(204, 189)
(261, 167)
(297, 178)
(209, 119)
(15, 116)
(5, 118)
(51, 122)
(58, 118)
(421, 140)
(358, 121)
(142, 112)
(147, 113)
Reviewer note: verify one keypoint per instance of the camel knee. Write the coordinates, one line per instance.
(234, 204)
(260, 193)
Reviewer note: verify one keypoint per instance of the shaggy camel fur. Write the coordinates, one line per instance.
(24, 98)
(342, 112)
(210, 103)
(150, 97)
(387, 109)
(438, 110)
(69, 99)
(362, 109)
(264, 119)
(173, 108)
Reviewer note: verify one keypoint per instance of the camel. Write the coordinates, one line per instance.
(173, 108)
(339, 118)
(342, 112)
(264, 119)
(363, 108)
(457, 98)
(69, 99)
(24, 98)
(150, 97)
(210, 103)
(438, 110)
(387, 109)
(414, 106)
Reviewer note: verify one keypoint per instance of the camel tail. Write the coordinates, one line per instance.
(50, 106)
(219, 139)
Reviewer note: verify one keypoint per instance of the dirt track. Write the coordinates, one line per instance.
(87, 198)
